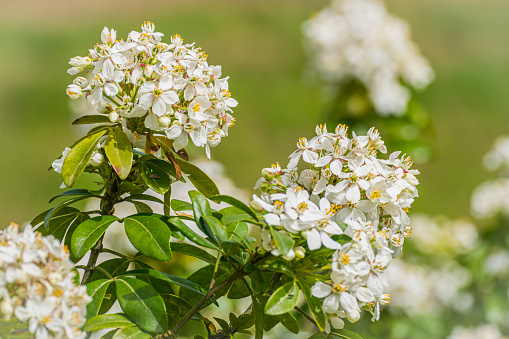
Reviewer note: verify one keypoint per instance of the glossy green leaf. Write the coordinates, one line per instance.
(114, 267)
(289, 321)
(60, 222)
(238, 290)
(258, 284)
(92, 119)
(100, 322)
(97, 290)
(167, 201)
(242, 322)
(234, 202)
(87, 233)
(283, 241)
(190, 234)
(185, 283)
(314, 304)
(336, 334)
(149, 235)
(163, 165)
(193, 251)
(81, 217)
(224, 324)
(79, 156)
(283, 299)
(200, 180)
(203, 277)
(155, 178)
(60, 206)
(231, 248)
(142, 304)
(119, 151)
(179, 205)
(75, 192)
(131, 332)
(161, 286)
(214, 229)
(141, 207)
(201, 206)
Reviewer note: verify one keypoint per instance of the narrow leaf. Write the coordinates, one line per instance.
(79, 156)
(92, 119)
(131, 332)
(166, 277)
(190, 234)
(214, 229)
(193, 251)
(234, 202)
(100, 322)
(119, 151)
(200, 180)
(314, 304)
(97, 290)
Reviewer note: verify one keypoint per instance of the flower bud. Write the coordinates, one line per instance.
(81, 81)
(300, 252)
(256, 206)
(261, 250)
(289, 256)
(164, 121)
(113, 116)
(74, 91)
(148, 70)
(264, 186)
(305, 234)
(97, 159)
(267, 175)
(6, 308)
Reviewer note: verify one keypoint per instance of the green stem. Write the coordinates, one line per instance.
(118, 254)
(305, 315)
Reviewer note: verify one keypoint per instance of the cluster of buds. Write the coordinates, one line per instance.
(149, 85)
(346, 200)
(360, 39)
(37, 286)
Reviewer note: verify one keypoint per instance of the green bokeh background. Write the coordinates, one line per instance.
(259, 45)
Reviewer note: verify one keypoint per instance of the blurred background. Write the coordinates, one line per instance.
(259, 45)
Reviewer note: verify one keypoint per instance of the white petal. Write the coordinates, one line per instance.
(328, 242)
(314, 240)
(353, 194)
(309, 156)
(331, 303)
(159, 107)
(170, 97)
(321, 290)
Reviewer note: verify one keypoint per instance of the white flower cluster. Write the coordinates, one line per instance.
(481, 332)
(359, 39)
(37, 285)
(346, 200)
(149, 85)
(492, 196)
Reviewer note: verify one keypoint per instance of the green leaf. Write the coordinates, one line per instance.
(346, 334)
(141, 207)
(203, 277)
(214, 229)
(234, 202)
(244, 321)
(283, 299)
(100, 322)
(142, 303)
(57, 208)
(70, 230)
(97, 290)
(200, 205)
(231, 248)
(185, 283)
(92, 119)
(190, 234)
(163, 165)
(200, 180)
(284, 241)
(193, 251)
(238, 290)
(74, 192)
(146, 197)
(155, 177)
(149, 235)
(87, 233)
(114, 267)
(258, 318)
(119, 151)
(60, 222)
(162, 287)
(258, 284)
(224, 324)
(79, 156)
(179, 205)
(131, 332)
(314, 304)
(289, 321)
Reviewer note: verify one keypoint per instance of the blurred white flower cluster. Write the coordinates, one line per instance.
(150, 85)
(437, 285)
(492, 196)
(480, 332)
(37, 286)
(345, 200)
(361, 40)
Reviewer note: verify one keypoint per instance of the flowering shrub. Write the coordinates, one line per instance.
(346, 200)
(38, 291)
(328, 231)
(359, 39)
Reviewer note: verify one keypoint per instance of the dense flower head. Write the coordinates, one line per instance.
(37, 285)
(360, 39)
(146, 84)
(346, 200)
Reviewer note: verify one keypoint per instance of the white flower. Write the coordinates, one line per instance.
(74, 91)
